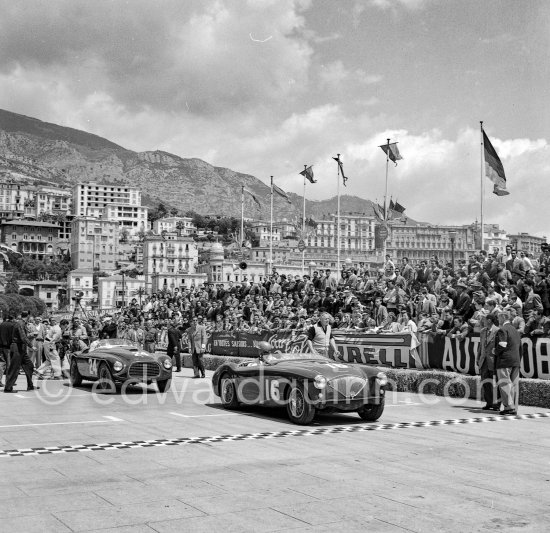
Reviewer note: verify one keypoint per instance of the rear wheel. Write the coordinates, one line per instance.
(300, 411)
(75, 377)
(164, 384)
(228, 392)
(105, 382)
(371, 412)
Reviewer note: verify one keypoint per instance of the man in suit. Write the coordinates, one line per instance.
(197, 336)
(174, 344)
(486, 361)
(20, 342)
(6, 334)
(507, 363)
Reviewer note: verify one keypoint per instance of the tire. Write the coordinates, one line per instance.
(74, 377)
(105, 382)
(299, 409)
(164, 384)
(371, 412)
(228, 392)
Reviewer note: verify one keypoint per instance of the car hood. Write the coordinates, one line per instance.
(311, 368)
(128, 355)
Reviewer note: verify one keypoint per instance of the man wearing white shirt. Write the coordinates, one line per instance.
(53, 361)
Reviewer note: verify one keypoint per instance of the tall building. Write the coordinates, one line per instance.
(170, 261)
(121, 204)
(527, 243)
(262, 232)
(13, 197)
(118, 291)
(37, 240)
(93, 244)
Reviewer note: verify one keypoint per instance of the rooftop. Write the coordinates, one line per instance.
(30, 223)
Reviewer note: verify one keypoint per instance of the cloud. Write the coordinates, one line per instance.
(162, 55)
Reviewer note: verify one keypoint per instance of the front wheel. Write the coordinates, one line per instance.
(164, 384)
(228, 392)
(105, 382)
(371, 412)
(300, 411)
(74, 376)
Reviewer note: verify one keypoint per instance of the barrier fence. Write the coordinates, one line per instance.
(395, 350)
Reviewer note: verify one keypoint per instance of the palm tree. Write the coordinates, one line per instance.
(139, 292)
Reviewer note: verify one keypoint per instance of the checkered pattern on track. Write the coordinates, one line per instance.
(256, 436)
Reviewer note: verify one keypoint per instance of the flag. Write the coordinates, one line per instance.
(398, 207)
(493, 167)
(253, 197)
(280, 192)
(392, 205)
(308, 173)
(378, 211)
(341, 167)
(392, 152)
(311, 223)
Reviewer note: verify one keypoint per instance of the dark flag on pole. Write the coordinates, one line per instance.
(392, 152)
(392, 205)
(341, 167)
(308, 173)
(398, 208)
(253, 197)
(280, 192)
(493, 167)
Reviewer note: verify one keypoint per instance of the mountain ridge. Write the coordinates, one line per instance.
(68, 156)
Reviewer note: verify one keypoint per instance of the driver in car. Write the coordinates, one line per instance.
(320, 337)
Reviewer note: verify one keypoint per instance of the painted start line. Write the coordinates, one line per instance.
(257, 436)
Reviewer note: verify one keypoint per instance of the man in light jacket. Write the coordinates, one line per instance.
(197, 339)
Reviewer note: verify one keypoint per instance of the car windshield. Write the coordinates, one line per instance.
(276, 357)
(113, 343)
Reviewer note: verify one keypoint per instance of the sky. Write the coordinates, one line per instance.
(266, 86)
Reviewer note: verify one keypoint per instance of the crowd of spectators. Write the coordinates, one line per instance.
(424, 297)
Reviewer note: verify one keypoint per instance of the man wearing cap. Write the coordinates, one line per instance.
(320, 337)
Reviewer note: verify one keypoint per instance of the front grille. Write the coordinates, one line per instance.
(144, 370)
(347, 387)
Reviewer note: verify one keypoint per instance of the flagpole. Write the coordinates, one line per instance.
(242, 217)
(482, 183)
(304, 222)
(384, 248)
(338, 220)
(271, 229)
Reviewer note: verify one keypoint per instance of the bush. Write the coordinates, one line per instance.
(14, 304)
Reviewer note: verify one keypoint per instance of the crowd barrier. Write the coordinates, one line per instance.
(394, 350)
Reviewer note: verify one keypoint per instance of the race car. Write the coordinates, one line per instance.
(117, 361)
(306, 383)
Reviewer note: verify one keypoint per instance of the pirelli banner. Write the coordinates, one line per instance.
(460, 355)
(396, 351)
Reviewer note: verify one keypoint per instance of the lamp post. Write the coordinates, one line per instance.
(452, 236)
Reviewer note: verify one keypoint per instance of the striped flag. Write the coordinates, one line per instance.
(253, 196)
(391, 150)
(308, 173)
(280, 191)
(493, 167)
(341, 167)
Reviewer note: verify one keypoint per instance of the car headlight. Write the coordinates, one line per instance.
(167, 364)
(320, 381)
(382, 379)
(117, 366)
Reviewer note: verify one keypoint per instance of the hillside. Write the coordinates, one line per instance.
(68, 156)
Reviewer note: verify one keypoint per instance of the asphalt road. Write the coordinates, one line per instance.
(71, 460)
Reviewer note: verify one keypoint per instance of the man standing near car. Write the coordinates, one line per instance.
(320, 337)
(6, 334)
(20, 342)
(507, 363)
(174, 344)
(53, 337)
(197, 345)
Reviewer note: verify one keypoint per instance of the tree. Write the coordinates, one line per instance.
(12, 287)
(123, 235)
